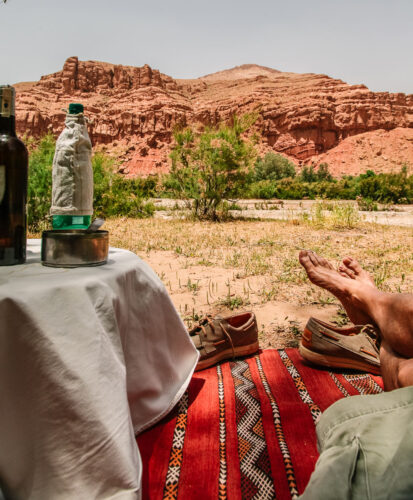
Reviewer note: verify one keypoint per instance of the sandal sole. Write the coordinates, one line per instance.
(227, 354)
(336, 362)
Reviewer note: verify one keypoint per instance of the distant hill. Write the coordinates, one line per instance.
(243, 71)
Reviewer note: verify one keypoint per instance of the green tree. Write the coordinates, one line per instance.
(323, 173)
(309, 174)
(387, 188)
(273, 167)
(211, 166)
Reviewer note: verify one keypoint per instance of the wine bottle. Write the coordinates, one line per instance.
(13, 184)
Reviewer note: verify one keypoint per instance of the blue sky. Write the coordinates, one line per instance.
(358, 41)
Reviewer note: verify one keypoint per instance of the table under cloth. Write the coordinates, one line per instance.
(88, 358)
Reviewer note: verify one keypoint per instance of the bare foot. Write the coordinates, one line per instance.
(322, 273)
(364, 303)
(351, 268)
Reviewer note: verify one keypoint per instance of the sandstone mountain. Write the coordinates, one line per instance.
(309, 118)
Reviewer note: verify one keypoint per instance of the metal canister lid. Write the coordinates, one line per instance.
(7, 97)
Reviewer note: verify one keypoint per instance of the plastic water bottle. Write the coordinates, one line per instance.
(72, 186)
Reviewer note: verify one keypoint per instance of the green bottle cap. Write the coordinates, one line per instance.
(75, 108)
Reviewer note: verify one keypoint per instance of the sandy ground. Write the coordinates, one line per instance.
(230, 267)
(200, 290)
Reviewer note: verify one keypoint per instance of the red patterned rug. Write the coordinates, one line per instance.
(245, 429)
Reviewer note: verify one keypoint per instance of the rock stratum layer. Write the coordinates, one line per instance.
(307, 117)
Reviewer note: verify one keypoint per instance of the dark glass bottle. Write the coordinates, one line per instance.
(13, 184)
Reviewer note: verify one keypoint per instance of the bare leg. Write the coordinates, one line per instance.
(396, 370)
(393, 314)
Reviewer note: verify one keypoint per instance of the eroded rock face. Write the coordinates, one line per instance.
(99, 77)
(133, 111)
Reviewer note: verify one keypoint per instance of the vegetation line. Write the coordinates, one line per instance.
(209, 168)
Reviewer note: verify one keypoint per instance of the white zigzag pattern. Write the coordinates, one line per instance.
(363, 388)
(222, 431)
(263, 483)
(277, 421)
(338, 384)
(174, 471)
(304, 395)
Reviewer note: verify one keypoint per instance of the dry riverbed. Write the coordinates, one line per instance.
(287, 210)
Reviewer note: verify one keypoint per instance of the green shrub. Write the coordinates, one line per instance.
(344, 216)
(262, 189)
(333, 215)
(39, 190)
(386, 188)
(292, 189)
(114, 195)
(233, 206)
(370, 187)
(309, 174)
(211, 166)
(366, 204)
(273, 167)
(323, 173)
(341, 189)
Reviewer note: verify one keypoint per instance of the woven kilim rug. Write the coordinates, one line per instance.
(245, 429)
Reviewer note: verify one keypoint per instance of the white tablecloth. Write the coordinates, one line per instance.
(88, 357)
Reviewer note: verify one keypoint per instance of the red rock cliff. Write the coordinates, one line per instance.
(133, 111)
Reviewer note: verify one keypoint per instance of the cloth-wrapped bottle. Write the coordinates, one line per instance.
(72, 191)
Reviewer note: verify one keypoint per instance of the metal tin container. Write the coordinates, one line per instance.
(74, 248)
